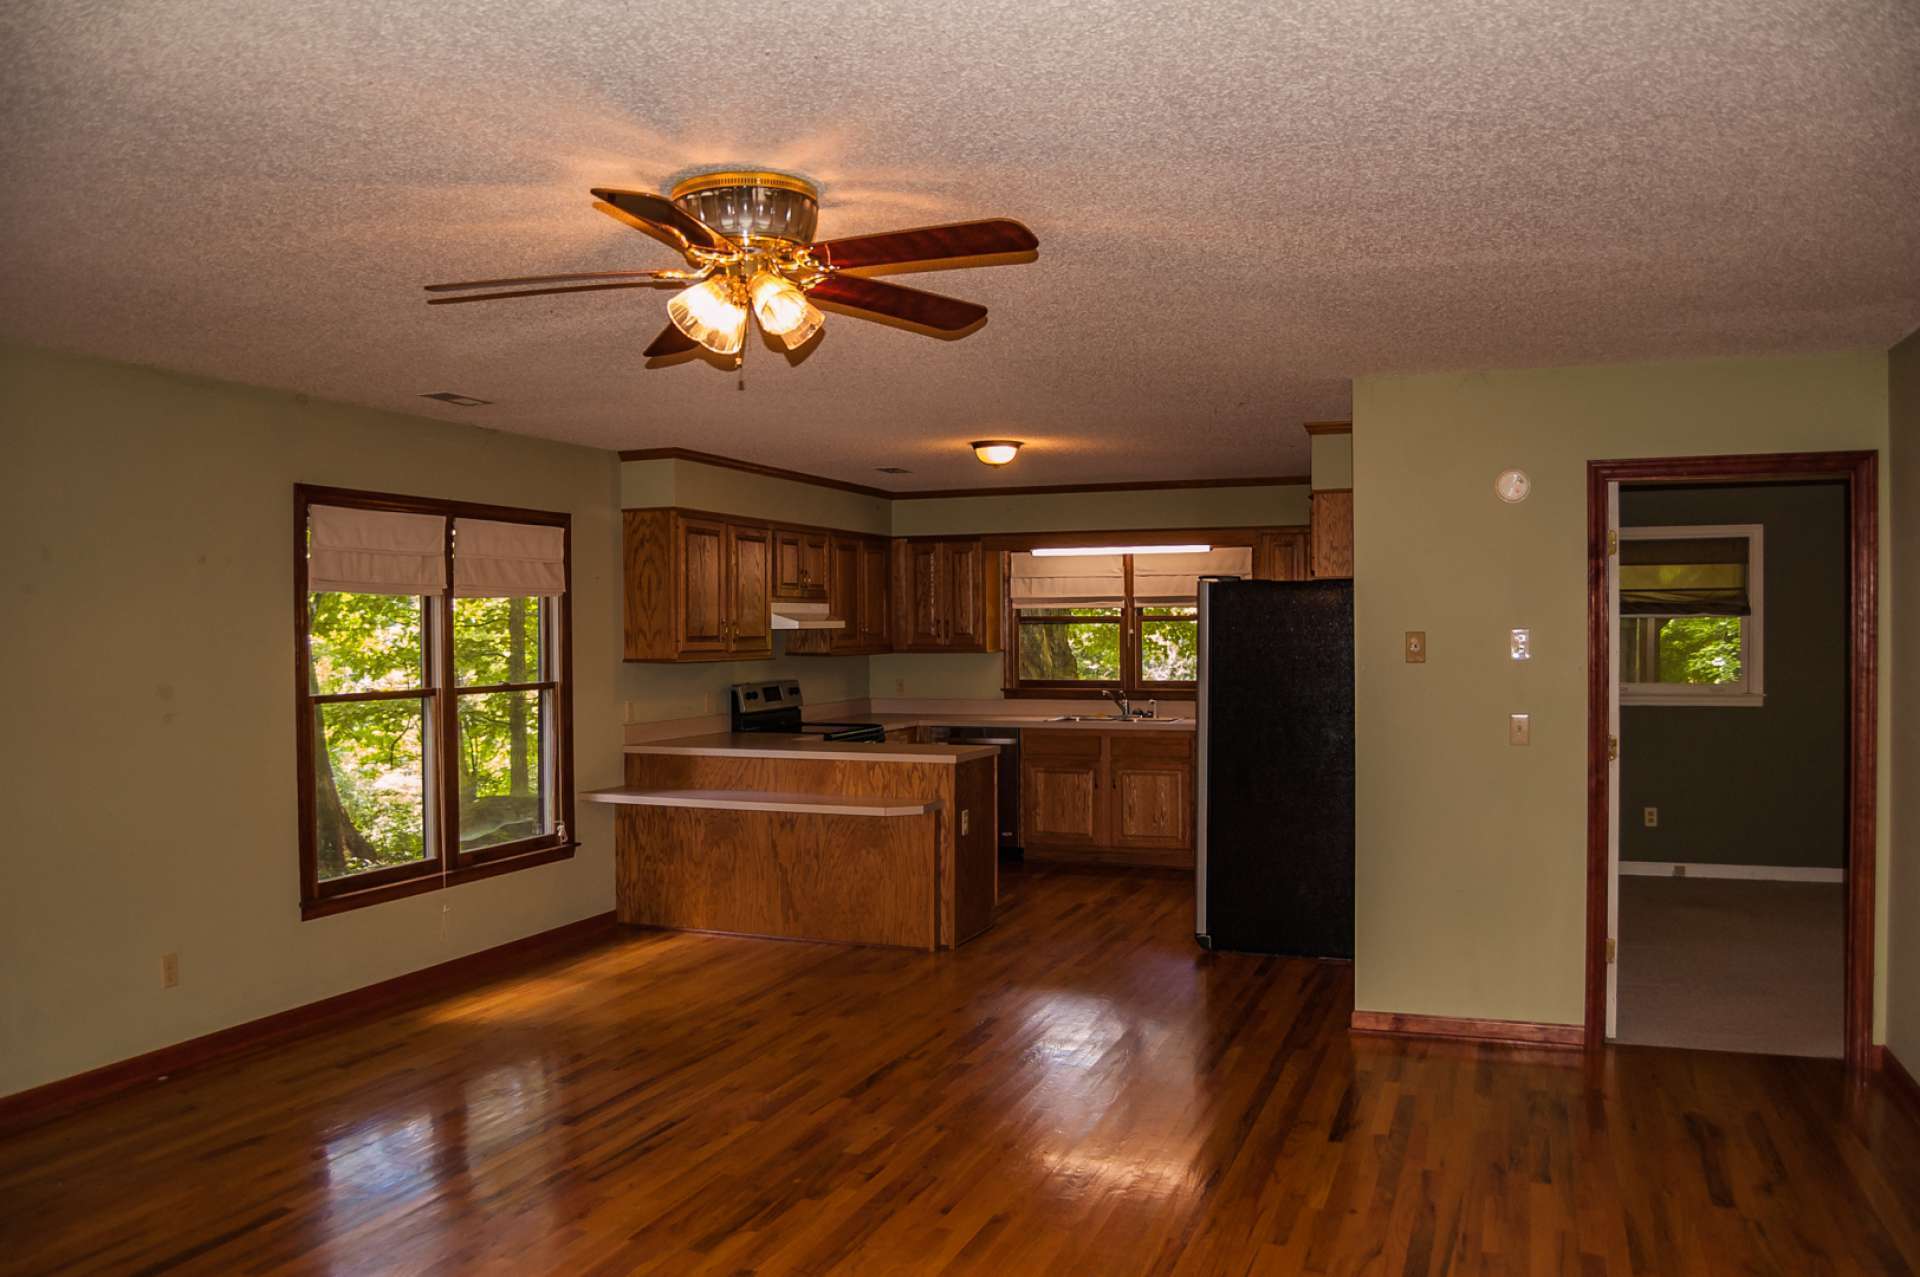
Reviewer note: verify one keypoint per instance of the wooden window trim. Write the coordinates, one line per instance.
(445, 866)
(1130, 683)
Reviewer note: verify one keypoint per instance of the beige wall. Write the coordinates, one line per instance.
(146, 560)
(1099, 511)
(1471, 855)
(1332, 461)
(724, 490)
(1903, 885)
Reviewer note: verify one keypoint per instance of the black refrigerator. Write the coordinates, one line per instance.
(1274, 849)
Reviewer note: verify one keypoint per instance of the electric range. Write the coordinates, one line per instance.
(777, 706)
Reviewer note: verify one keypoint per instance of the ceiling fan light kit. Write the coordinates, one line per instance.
(747, 236)
(996, 452)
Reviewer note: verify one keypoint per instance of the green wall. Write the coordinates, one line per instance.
(1900, 592)
(1471, 853)
(146, 559)
(1332, 460)
(1084, 511)
(1765, 784)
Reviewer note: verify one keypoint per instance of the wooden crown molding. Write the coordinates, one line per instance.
(1328, 427)
(930, 494)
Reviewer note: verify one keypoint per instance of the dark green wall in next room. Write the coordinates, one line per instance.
(1764, 785)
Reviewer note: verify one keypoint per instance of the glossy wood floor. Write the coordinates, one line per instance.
(1079, 1091)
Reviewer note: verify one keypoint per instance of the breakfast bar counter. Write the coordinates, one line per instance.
(792, 836)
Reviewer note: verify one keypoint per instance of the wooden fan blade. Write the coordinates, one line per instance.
(536, 292)
(895, 301)
(543, 279)
(994, 236)
(671, 341)
(668, 220)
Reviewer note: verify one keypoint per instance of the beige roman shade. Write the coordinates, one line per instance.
(1080, 580)
(508, 560)
(1684, 576)
(1174, 578)
(375, 551)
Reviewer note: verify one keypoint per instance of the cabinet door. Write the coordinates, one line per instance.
(965, 599)
(876, 604)
(1333, 533)
(1062, 803)
(816, 573)
(700, 573)
(1281, 556)
(843, 594)
(924, 581)
(1150, 804)
(786, 564)
(749, 557)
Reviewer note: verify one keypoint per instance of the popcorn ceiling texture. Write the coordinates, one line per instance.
(1240, 206)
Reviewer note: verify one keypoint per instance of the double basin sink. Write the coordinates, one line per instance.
(1109, 718)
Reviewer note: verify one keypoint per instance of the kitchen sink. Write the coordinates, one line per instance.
(1110, 718)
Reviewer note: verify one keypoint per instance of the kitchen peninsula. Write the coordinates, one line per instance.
(808, 839)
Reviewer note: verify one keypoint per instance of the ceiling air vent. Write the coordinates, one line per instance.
(458, 401)
(893, 470)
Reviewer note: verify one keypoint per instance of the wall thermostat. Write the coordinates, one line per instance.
(1513, 485)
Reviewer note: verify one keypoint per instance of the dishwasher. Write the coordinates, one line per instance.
(1008, 739)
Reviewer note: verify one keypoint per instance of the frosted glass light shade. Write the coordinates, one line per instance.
(783, 310)
(996, 452)
(709, 314)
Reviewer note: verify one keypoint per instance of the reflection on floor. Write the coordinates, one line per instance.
(1079, 1091)
(1722, 964)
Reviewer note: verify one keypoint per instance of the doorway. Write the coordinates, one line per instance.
(1743, 918)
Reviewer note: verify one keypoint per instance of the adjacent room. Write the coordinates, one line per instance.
(988, 639)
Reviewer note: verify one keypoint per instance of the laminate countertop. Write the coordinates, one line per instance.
(1047, 722)
(782, 745)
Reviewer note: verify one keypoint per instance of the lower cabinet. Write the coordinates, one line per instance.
(1123, 796)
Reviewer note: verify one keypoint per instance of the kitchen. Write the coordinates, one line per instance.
(1072, 740)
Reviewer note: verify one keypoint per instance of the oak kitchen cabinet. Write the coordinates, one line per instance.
(800, 564)
(1333, 532)
(698, 587)
(946, 596)
(859, 593)
(1283, 554)
(1122, 796)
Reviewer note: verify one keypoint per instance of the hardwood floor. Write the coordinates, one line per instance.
(1081, 1090)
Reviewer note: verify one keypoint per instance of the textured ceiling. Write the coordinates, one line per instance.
(1240, 206)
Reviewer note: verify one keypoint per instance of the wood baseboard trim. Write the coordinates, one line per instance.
(1503, 1032)
(1898, 1081)
(53, 1099)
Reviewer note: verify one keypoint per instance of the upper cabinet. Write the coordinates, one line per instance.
(946, 596)
(801, 570)
(1282, 554)
(857, 594)
(1333, 532)
(698, 588)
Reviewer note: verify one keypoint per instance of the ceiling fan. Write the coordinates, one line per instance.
(748, 240)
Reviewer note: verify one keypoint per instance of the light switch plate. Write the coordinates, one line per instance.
(1519, 729)
(1520, 644)
(1416, 647)
(1650, 816)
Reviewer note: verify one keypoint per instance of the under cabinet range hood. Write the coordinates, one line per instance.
(803, 616)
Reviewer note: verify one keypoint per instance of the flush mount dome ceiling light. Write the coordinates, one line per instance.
(747, 237)
(996, 452)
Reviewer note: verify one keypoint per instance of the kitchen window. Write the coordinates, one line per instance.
(1093, 621)
(1692, 615)
(433, 704)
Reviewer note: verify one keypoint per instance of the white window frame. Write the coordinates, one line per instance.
(1751, 690)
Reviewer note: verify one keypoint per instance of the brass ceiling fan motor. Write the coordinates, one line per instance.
(747, 237)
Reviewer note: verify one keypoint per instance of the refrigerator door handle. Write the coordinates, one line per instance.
(1200, 722)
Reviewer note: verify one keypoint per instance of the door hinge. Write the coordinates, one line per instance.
(1613, 749)
(1613, 949)
(1613, 542)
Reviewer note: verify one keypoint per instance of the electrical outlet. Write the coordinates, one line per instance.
(1679, 871)
(169, 970)
(1519, 729)
(1416, 647)
(899, 687)
(1650, 817)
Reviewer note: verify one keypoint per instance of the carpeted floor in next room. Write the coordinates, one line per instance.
(1724, 964)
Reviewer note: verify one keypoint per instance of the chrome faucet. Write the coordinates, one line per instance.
(1119, 698)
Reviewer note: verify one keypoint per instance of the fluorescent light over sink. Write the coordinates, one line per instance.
(1061, 552)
